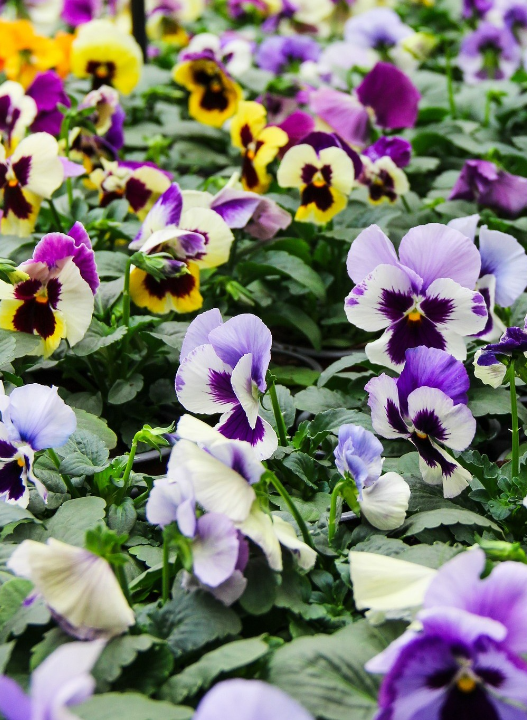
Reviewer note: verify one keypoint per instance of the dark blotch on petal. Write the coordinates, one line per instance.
(409, 334)
(137, 194)
(319, 195)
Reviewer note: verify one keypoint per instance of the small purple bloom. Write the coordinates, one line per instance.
(481, 181)
(489, 53)
(488, 365)
(379, 29)
(260, 216)
(427, 405)
(396, 148)
(47, 90)
(392, 96)
(476, 8)
(358, 453)
(423, 298)
(78, 12)
(277, 53)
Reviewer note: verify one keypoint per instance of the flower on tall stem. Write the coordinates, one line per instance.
(223, 368)
(323, 172)
(427, 405)
(258, 143)
(424, 297)
(56, 300)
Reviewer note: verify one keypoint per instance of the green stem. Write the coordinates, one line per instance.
(292, 508)
(450, 85)
(405, 203)
(126, 294)
(332, 522)
(121, 577)
(127, 471)
(280, 424)
(56, 216)
(166, 568)
(515, 466)
(56, 460)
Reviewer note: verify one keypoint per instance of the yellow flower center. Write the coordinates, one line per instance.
(414, 316)
(421, 435)
(42, 296)
(102, 71)
(215, 86)
(20, 461)
(318, 180)
(13, 182)
(466, 683)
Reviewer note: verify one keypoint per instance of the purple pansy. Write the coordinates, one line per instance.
(488, 366)
(343, 113)
(481, 181)
(239, 699)
(47, 90)
(515, 18)
(277, 52)
(59, 683)
(476, 8)
(464, 661)
(223, 368)
(260, 216)
(489, 53)
(424, 297)
(392, 96)
(396, 148)
(379, 29)
(427, 405)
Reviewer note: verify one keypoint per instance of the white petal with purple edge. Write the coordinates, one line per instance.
(504, 257)
(263, 439)
(384, 504)
(198, 331)
(435, 414)
(492, 375)
(305, 556)
(375, 302)
(449, 305)
(244, 388)
(39, 416)
(385, 409)
(203, 382)
(495, 327)
(239, 456)
(215, 549)
(370, 249)
(435, 251)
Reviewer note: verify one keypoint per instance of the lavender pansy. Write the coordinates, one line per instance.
(276, 53)
(223, 368)
(59, 683)
(489, 53)
(427, 405)
(391, 95)
(240, 699)
(423, 298)
(379, 28)
(481, 181)
(477, 8)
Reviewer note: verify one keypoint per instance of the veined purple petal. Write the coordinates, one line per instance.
(236, 207)
(237, 427)
(55, 247)
(198, 331)
(392, 95)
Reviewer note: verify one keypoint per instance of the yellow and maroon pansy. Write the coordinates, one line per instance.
(179, 293)
(33, 172)
(323, 172)
(385, 181)
(259, 144)
(214, 95)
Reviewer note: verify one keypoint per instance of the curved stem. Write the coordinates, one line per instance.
(515, 461)
(56, 216)
(332, 522)
(292, 508)
(127, 471)
(121, 577)
(280, 424)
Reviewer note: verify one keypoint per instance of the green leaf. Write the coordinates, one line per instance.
(492, 401)
(192, 620)
(14, 513)
(74, 518)
(14, 615)
(326, 673)
(199, 676)
(7, 350)
(98, 336)
(5, 653)
(96, 426)
(303, 467)
(319, 399)
(110, 264)
(343, 363)
(123, 391)
(119, 654)
(171, 333)
(84, 454)
(291, 316)
(331, 420)
(445, 516)
(259, 595)
(130, 706)
(122, 518)
(278, 262)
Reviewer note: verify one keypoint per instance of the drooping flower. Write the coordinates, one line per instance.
(383, 499)
(17, 112)
(139, 183)
(47, 90)
(214, 95)
(194, 238)
(78, 586)
(422, 298)
(489, 53)
(59, 683)
(223, 368)
(34, 418)
(427, 405)
(56, 301)
(323, 172)
(277, 53)
(108, 56)
(391, 95)
(481, 181)
(33, 172)
(258, 143)
(487, 364)
(240, 699)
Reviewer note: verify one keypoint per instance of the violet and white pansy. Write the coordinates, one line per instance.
(223, 369)
(32, 173)
(17, 113)
(424, 297)
(56, 300)
(427, 404)
(34, 418)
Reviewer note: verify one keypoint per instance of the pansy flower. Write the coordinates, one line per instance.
(483, 182)
(259, 144)
(34, 418)
(139, 183)
(231, 50)
(323, 172)
(108, 115)
(276, 53)
(214, 95)
(193, 237)
(391, 95)
(17, 113)
(489, 53)
(47, 90)
(33, 172)
(107, 55)
(24, 53)
(488, 365)
(424, 297)
(427, 405)
(56, 301)
(223, 368)
(381, 169)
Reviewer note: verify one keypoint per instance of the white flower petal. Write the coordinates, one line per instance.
(384, 504)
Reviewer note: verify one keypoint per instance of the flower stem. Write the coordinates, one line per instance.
(450, 84)
(128, 470)
(332, 522)
(126, 294)
(515, 462)
(121, 577)
(56, 460)
(166, 568)
(56, 216)
(292, 508)
(280, 423)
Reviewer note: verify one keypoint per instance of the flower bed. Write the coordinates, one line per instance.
(263, 354)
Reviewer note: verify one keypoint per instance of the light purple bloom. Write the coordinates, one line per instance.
(260, 216)
(59, 683)
(489, 53)
(55, 248)
(379, 29)
(392, 96)
(427, 405)
(47, 90)
(277, 52)
(344, 113)
(481, 181)
(422, 298)
(396, 148)
(172, 501)
(358, 453)
(239, 699)
(223, 368)
(476, 8)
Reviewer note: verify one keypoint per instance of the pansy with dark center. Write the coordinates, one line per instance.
(427, 405)
(489, 53)
(102, 73)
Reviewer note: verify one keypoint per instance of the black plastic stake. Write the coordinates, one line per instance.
(139, 25)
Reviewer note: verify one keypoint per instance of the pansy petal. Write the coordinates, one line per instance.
(305, 556)
(215, 549)
(504, 257)
(258, 527)
(385, 408)
(434, 414)
(290, 172)
(234, 424)
(42, 170)
(492, 374)
(75, 302)
(370, 249)
(451, 306)
(242, 385)
(203, 382)
(442, 469)
(14, 703)
(467, 226)
(342, 171)
(384, 504)
(40, 417)
(218, 235)
(198, 331)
